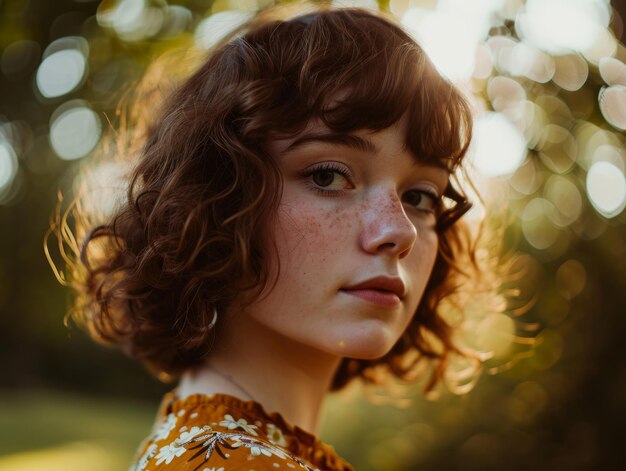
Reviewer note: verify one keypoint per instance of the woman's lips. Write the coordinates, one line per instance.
(375, 296)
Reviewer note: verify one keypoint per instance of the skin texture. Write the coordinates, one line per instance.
(332, 231)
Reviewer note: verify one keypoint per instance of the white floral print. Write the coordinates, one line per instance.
(258, 448)
(275, 435)
(147, 456)
(213, 469)
(185, 436)
(232, 424)
(165, 429)
(168, 453)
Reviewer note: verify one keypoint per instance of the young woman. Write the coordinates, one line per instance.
(291, 225)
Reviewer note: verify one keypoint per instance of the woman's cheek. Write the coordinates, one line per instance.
(320, 224)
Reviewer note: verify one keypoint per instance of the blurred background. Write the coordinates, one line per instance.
(548, 82)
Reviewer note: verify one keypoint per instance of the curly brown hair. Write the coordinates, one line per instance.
(186, 239)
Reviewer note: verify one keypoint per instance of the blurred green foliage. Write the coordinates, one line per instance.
(560, 408)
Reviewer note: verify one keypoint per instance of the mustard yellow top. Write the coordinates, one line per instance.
(223, 433)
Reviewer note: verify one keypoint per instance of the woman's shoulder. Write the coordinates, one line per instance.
(222, 432)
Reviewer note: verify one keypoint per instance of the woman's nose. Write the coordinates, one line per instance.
(386, 227)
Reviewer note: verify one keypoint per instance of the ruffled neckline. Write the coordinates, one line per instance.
(300, 442)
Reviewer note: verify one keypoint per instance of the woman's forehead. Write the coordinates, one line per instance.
(366, 140)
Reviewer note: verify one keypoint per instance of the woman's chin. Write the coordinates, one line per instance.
(365, 347)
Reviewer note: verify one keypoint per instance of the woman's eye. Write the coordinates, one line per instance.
(329, 179)
(421, 200)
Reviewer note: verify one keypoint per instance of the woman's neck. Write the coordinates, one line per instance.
(251, 361)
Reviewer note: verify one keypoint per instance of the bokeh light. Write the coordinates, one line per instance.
(571, 72)
(210, 31)
(501, 47)
(8, 166)
(571, 278)
(177, 20)
(74, 130)
(604, 45)
(529, 118)
(483, 63)
(560, 114)
(606, 187)
(528, 61)
(580, 23)
(536, 225)
(64, 66)
(590, 138)
(60, 73)
(557, 148)
(498, 147)
(450, 33)
(495, 334)
(612, 71)
(449, 40)
(368, 4)
(527, 179)
(567, 202)
(610, 153)
(503, 91)
(132, 20)
(613, 105)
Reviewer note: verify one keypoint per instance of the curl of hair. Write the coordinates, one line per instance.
(186, 238)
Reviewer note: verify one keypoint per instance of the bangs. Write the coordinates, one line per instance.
(351, 71)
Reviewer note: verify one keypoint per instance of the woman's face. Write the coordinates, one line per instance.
(356, 241)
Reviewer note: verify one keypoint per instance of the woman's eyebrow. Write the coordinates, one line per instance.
(363, 144)
(348, 140)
